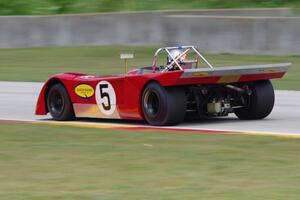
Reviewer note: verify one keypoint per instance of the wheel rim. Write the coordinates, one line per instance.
(151, 103)
(57, 102)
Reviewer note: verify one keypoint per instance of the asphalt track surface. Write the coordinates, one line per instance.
(18, 99)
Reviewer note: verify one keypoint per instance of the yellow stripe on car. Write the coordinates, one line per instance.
(229, 79)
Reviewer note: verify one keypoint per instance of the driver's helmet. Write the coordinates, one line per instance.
(177, 54)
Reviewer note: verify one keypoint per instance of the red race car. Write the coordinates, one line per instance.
(164, 95)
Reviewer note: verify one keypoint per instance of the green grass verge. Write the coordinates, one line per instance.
(54, 162)
(37, 64)
(44, 7)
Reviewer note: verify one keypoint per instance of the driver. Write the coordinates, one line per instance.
(176, 54)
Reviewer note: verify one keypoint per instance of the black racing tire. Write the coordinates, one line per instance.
(163, 106)
(59, 104)
(260, 102)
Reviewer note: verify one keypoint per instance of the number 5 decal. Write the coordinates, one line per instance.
(105, 97)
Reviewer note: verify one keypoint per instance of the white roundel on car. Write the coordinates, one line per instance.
(106, 97)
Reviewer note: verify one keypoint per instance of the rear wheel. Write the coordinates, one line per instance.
(260, 103)
(59, 104)
(163, 106)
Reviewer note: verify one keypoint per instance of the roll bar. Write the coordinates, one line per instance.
(186, 49)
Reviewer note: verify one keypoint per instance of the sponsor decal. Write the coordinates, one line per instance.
(273, 69)
(229, 79)
(84, 90)
(200, 73)
(106, 97)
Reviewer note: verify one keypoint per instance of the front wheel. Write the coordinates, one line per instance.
(260, 103)
(59, 104)
(163, 106)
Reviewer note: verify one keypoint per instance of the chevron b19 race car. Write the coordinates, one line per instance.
(165, 94)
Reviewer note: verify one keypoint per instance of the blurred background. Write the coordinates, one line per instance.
(262, 28)
(46, 7)
(39, 38)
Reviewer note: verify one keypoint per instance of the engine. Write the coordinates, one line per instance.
(216, 100)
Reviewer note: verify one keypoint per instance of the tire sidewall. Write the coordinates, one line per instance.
(161, 93)
(261, 101)
(67, 112)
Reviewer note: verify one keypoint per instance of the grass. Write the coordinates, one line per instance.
(44, 7)
(53, 162)
(37, 64)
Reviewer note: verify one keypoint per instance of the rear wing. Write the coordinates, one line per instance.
(234, 74)
(237, 70)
